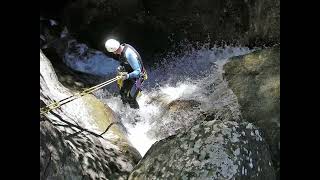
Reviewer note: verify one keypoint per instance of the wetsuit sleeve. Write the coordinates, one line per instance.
(134, 63)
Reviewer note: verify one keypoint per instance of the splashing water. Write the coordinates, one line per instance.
(196, 76)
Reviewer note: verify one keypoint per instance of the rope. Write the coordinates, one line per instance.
(57, 104)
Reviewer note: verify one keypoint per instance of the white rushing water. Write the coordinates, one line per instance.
(196, 75)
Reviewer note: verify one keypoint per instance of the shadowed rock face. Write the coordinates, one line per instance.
(210, 150)
(153, 26)
(246, 21)
(79, 156)
(255, 80)
(93, 21)
(72, 145)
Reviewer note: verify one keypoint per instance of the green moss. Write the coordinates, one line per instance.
(270, 87)
(253, 62)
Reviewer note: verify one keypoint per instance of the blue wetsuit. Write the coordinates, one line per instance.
(132, 63)
(132, 59)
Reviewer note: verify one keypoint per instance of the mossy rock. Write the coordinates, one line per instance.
(210, 150)
(255, 80)
(70, 145)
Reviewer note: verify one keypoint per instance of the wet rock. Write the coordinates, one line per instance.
(255, 80)
(176, 116)
(210, 150)
(163, 24)
(178, 105)
(82, 139)
(80, 57)
(231, 20)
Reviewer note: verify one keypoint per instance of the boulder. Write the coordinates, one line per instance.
(82, 139)
(80, 57)
(176, 116)
(255, 80)
(209, 150)
(79, 156)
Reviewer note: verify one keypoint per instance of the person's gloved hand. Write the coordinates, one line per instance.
(124, 75)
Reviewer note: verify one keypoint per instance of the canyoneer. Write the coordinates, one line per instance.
(131, 71)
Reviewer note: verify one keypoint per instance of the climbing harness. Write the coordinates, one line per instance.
(57, 104)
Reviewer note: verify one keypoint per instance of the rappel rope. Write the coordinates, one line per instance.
(57, 104)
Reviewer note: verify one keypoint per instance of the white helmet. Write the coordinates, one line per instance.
(112, 45)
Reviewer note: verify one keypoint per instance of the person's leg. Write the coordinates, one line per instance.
(125, 90)
(133, 95)
(126, 85)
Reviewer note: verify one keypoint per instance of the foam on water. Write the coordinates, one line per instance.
(196, 75)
